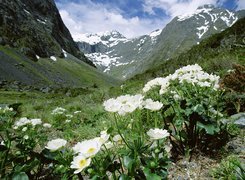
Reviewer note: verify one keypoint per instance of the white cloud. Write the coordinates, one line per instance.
(89, 17)
(240, 4)
(177, 7)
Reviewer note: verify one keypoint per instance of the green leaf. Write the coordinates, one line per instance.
(150, 176)
(209, 128)
(20, 176)
(128, 162)
(109, 131)
(124, 177)
(31, 164)
(50, 156)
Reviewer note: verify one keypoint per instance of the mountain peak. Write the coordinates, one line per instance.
(105, 37)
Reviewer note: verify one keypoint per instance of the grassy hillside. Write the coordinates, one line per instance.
(65, 72)
(215, 54)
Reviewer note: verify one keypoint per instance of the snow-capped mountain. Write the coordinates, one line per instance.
(123, 58)
(208, 17)
(111, 50)
(189, 30)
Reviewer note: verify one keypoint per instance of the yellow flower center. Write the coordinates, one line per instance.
(82, 163)
(91, 150)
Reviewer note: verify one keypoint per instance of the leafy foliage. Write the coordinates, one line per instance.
(230, 168)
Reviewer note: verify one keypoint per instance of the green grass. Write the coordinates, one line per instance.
(88, 123)
(65, 72)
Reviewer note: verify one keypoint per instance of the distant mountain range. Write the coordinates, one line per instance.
(116, 55)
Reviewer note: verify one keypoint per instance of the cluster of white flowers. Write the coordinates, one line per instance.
(56, 144)
(157, 133)
(69, 115)
(195, 75)
(124, 104)
(47, 125)
(58, 110)
(5, 109)
(152, 105)
(163, 82)
(25, 121)
(127, 104)
(87, 149)
(192, 74)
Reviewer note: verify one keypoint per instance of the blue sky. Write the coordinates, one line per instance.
(130, 17)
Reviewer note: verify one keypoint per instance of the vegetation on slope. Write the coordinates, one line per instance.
(214, 54)
(64, 72)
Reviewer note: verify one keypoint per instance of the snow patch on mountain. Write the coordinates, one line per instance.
(201, 31)
(108, 38)
(155, 34)
(100, 59)
(228, 17)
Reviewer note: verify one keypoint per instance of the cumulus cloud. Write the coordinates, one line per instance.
(177, 7)
(90, 17)
(240, 4)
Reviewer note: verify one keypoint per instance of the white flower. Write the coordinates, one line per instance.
(80, 162)
(104, 137)
(24, 129)
(22, 121)
(152, 105)
(69, 116)
(157, 133)
(118, 139)
(112, 105)
(55, 144)
(163, 82)
(108, 145)
(88, 147)
(76, 112)
(6, 109)
(58, 110)
(26, 137)
(176, 97)
(124, 104)
(67, 121)
(204, 84)
(35, 122)
(47, 125)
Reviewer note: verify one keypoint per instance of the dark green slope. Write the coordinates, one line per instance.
(214, 54)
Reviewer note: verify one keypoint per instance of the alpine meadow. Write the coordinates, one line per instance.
(121, 89)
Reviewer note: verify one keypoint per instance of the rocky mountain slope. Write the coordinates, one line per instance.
(35, 27)
(216, 54)
(123, 58)
(191, 29)
(37, 49)
(112, 52)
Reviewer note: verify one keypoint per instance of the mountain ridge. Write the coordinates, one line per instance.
(138, 54)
